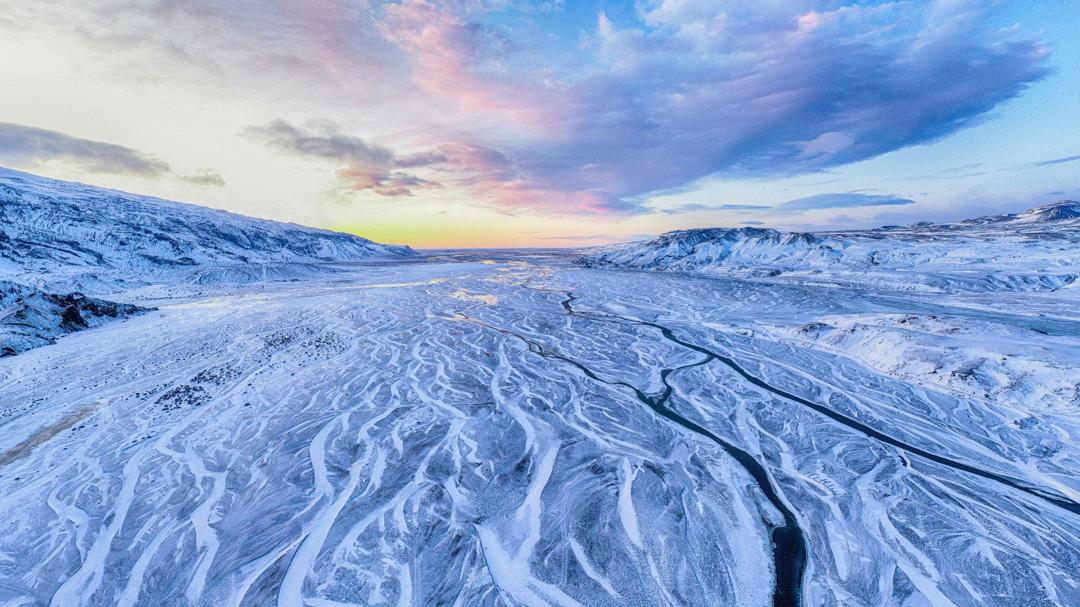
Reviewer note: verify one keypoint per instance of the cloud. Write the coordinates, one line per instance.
(692, 88)
(265, 47)
(323, 141)
(420, 159)
(456, 55)
(966, 171)
(1045, 163)
(204, 177)
(644, 100)
(842, 200)
(367, 166)
(744, 207)
(31, 145)
(966, 168)
(694, 207)
(394, 183)
(825, 145)
(974, 169)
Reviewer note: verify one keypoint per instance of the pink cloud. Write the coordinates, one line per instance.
(462, 61)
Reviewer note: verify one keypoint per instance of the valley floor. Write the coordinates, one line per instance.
(521, 431)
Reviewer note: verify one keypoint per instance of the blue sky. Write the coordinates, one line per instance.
(478, 123)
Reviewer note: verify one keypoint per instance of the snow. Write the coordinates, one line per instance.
(59, 240)
(511, 428)
(30, 317)
(1019, 366)
(1038, 250)
(82, 237)
(627, 515)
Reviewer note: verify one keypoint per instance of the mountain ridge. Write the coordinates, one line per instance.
(49, 225)
(59, 239)
(1037, 249)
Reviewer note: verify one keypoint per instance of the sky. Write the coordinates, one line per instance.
(501, 123)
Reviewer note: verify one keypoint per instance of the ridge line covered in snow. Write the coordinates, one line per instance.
(60, 239)
(51, 229)
(1037, 250)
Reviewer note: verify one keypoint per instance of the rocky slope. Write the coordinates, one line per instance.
(30, 318)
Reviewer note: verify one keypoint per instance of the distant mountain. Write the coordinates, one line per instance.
(1058, 211)
(1038, 249)
(709, 247)
(47, 225)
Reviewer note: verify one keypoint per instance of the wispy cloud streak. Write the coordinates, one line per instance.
(842, 201)
(367, 166)
(1054, 161)
(30, 146)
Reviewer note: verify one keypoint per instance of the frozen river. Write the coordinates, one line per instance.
(514, 430)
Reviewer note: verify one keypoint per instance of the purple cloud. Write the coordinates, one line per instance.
(367, 166)
(698, 88)
(842, 200)
(644, 100)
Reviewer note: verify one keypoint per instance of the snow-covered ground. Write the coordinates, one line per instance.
(1007, 365)
(514, 429)
(1024, 264)
(458, 432)
(61, 240)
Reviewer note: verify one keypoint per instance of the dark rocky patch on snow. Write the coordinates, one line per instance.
(30, 318)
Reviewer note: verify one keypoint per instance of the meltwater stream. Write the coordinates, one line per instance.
(788, 539)
(392, 423)
(1058, 501)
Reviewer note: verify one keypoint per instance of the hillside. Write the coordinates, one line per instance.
(1037, 250)
(57, 228)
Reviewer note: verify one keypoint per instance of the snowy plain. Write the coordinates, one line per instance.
(513, 428)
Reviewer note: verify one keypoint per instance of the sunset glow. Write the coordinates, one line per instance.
(506, 124)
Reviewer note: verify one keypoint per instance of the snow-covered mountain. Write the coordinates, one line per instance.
(60, 239)
(52, 227)
(1053, 212)
(1038, 249)
(710, 247)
